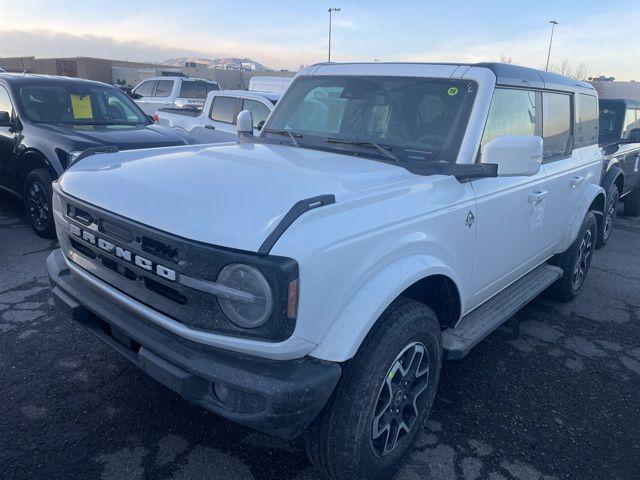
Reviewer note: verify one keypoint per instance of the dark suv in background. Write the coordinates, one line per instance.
(619, 137)
(47, 122)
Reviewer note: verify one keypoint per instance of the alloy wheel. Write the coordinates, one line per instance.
(584, 257)
(37, 205)
(610, 215)
(397, 407)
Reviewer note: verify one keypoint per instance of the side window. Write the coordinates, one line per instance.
(556, 124)
(145, 89)
(164, 88)
(630, 122)
(512, 112)
(212, 86)
(587, 123)
(259, 111)
(191, 89)
(224, 109)
(5, 101)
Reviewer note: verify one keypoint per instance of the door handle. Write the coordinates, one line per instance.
(577, 180)
(210, 127)
(536, 197)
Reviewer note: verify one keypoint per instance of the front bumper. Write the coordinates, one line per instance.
(280, 398)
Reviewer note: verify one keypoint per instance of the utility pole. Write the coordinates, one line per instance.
(553, 26)
(331, 10)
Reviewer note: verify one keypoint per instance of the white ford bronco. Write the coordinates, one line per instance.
(310, 280)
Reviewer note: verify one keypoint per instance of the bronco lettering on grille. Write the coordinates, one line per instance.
(123, 254)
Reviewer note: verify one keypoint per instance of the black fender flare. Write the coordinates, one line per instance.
(613, 174)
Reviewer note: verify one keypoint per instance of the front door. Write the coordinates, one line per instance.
(220, 123)
(512, 236)
(7, 143)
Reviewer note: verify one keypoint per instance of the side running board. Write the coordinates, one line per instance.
(297, 210)
(478, 324)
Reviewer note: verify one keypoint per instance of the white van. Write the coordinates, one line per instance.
(269, 84)
(164, 92)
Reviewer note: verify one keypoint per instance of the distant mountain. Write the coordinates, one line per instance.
(231, 63)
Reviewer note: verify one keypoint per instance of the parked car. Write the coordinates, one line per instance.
(311, 280)
(619, 136)
(263, 83)
(155, 93)
(216, 121)
(47, 122)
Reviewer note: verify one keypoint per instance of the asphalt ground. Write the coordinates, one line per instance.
(554, 393)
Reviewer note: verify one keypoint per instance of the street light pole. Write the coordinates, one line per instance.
(553, 25)
(331, 10)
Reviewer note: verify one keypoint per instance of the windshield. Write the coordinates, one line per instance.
(80, 104)
(415, 119)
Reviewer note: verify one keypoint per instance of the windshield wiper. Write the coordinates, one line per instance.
(383, 149)
(292, 135)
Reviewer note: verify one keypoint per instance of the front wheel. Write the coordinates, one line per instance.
(382, 399)
(611, 210)
(575, 262)
(37, 202)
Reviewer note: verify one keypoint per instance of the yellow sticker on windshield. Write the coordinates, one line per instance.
(452, 91)
(81, 105)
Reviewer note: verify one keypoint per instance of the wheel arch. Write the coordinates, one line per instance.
(32, 159)
(419, 277)
(593, 199)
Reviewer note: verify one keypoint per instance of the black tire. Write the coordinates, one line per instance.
(37, 202)
(606, 224)
(340, 442)
(579, 254)
(632, 203)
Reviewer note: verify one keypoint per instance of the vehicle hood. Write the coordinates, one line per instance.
(125, 137)
(226, 194)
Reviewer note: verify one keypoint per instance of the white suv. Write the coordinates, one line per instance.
(311, 280)
(155, 93)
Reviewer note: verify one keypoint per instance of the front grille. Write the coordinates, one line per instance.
(167, 252)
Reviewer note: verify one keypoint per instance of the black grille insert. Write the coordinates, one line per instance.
(165, 291)
(159, 249)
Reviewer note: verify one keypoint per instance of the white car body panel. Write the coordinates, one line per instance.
(202, 128)
(387, 229)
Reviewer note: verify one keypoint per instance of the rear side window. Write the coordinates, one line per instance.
(224, 109)
(630, 122)
(512, 112)
(556, 125)
(191, 89)
(212, 86)
(587, 121)
(5, 101)
(145, 89)
(164, 88)
(258, 110)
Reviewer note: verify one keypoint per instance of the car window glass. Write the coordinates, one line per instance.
(192, 89)
(145, 89)
(512, 112)
(212, 86)
(224, 109)
(587, 123)
(630, 122)
(556, 124)
(164, 88)
(5, 101)
(259, 111)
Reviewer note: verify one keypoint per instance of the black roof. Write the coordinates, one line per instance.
(626, 102)
(514, 75)
(20, 79)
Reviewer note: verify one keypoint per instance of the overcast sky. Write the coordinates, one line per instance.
(286, 33)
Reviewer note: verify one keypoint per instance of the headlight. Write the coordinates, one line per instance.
(256, 308)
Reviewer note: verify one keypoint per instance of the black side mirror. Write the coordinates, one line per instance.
(260, 125)
(5, 119)
(634, 135)
(135, 95)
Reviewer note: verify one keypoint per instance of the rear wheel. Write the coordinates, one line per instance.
(611, 210)
(382, 399)
(575, 262)
(632, 203)
(37, 201)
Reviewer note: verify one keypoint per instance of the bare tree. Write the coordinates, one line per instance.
(567, 69)
(505, 59)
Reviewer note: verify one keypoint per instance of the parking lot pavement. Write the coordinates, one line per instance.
(552, 394)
